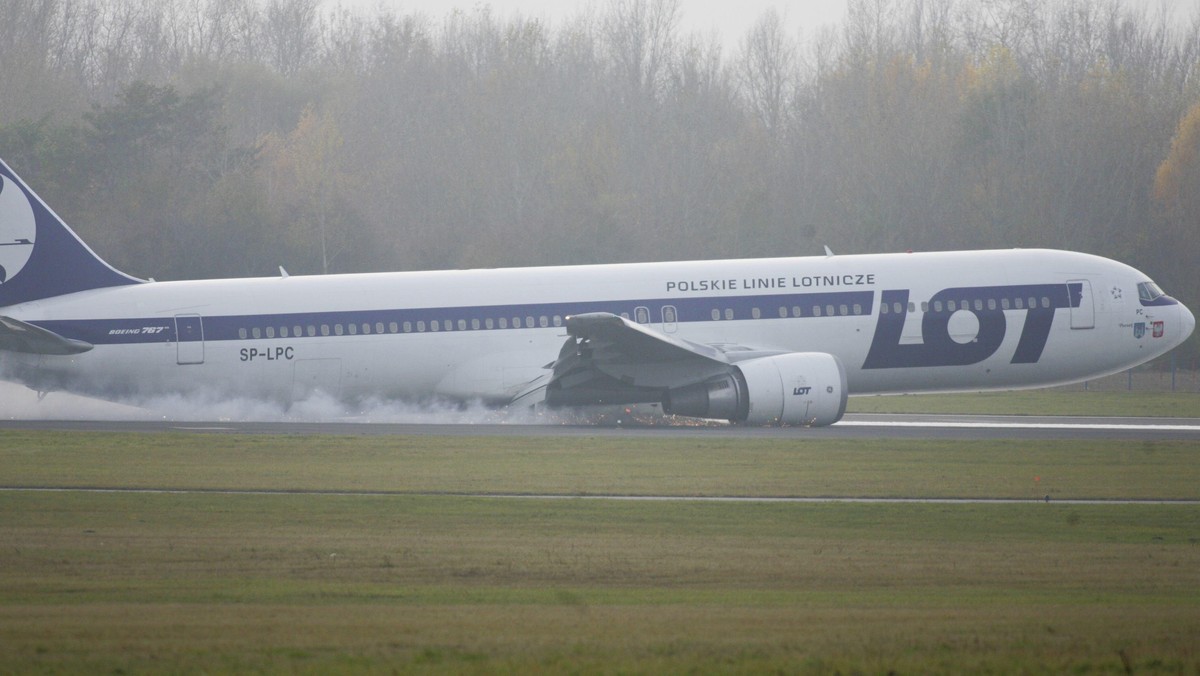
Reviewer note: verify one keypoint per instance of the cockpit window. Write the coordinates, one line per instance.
(1149, 291)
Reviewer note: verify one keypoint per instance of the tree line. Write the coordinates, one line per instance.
(211, 138)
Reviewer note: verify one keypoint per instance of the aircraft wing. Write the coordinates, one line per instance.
(609, 359)
(612, 338)
(19, 336)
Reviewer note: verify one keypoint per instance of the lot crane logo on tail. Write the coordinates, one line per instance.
(18, 230)
(40, 257)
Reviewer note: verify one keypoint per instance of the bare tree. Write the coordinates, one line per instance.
(640, 37)
(290, 34)
(767, 69)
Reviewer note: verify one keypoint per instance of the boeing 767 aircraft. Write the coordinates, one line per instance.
(779, 341)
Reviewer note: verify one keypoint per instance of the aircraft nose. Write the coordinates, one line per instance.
(1187, 322)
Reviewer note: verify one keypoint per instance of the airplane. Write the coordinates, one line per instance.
(774, 341)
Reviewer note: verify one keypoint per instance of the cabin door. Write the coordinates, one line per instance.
(189, 339)
(1083, 314)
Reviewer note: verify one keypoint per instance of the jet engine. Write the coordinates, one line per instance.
(798, 388)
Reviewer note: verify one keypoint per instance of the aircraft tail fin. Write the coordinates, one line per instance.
(40, 256)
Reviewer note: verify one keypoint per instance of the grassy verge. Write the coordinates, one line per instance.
(580, 466)
(153, 582)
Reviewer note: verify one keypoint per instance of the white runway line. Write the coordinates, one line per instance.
(615, 498)
(1023, 426)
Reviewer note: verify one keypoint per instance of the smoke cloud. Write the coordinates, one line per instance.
(18, 402)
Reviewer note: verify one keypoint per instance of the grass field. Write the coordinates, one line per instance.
(418, 581)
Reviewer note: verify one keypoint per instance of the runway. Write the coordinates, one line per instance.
(853, 426)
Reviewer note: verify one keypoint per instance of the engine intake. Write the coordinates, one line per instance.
(799, 388)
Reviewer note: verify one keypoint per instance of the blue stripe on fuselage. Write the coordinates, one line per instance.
(229, 327)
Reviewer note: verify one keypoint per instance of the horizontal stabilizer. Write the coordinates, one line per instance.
(19, 336)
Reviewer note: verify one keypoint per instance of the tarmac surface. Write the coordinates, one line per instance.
(853, 426)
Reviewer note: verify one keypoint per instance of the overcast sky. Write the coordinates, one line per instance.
(731, 19)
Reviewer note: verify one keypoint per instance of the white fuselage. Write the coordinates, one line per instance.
(485, 334)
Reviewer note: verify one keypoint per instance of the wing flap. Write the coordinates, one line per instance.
(19, 336)
(609, 336)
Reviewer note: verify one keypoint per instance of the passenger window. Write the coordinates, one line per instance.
(421, 326)
(475, 324)
(462, 325)
(242, 333)
(816, 310)
(393, 327)
(296, 331)
(1045, 302)
(435, 326)
(937, 306)
(716, 314)
(1020, 302)
(1032, 302)
(857, 309)
(912, 307)
(844, 310)
(408, 327)
(543, 321)
(353, 329)
(991, 303)
(754, 313)
(312, 330)
(829, 310)
(1005, 304)
(557, 320)
(529, 322)
(924, 306)
(337, 329)
(641, 315)
(796, 312)
(728, 313)
(504, 322)
(978, 304)
(283, 332)
(379, 327)
(324, 329)
(782, 312)
(883, 309)
(950, 306)
(488, 323)
(270, 331)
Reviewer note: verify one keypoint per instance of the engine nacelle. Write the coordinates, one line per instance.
(799, 388)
